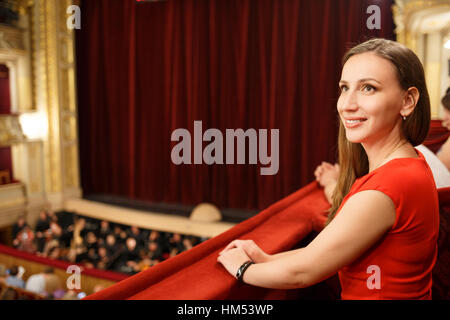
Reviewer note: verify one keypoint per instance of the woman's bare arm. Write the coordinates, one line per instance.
(364, 219)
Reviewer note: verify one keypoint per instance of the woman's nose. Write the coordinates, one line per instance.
(348, 102)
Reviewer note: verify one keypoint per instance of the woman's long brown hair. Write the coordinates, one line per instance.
(353, 159)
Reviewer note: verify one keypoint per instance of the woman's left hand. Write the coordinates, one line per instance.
(232, 260)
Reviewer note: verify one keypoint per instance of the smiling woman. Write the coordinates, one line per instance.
(382, 230)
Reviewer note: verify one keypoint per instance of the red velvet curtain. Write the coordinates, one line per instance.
(5, 98)
(146, 69)
(5, 108)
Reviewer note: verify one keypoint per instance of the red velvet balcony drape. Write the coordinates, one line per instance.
(147, 69)
(196, 274)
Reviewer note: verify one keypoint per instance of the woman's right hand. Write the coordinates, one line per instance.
(250, 248)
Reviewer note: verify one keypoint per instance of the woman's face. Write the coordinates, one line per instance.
(446, 119)
(371, 98)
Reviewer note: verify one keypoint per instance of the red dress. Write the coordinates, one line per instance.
(400, 264)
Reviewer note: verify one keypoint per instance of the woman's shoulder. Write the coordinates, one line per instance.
(401, 174)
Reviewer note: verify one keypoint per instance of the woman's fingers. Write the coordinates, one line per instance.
(243, 244)
(231, 245)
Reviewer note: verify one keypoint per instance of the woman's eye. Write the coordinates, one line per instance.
(368, 88)
(343, 88)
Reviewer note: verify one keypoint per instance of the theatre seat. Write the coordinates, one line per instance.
(195, 274)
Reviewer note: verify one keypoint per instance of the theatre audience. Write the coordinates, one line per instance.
(98, 244)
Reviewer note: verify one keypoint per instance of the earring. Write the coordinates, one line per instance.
(404, 117)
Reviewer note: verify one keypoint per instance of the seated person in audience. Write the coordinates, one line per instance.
(155, 251)
(104, 230)
(91, 240)
(155, 236)
(92, 257)
(25, 240)
(176, 245)
(67, 236)
(42, 225)
(18, 226)
(49, 248)
(37, 282)
(145, 261)
(81, 254)
(444, 152)
(187, 243)
(55, 253)
(129, 257)
(111, 245)
(55, 230)
(52, 283)
(13, 279)
(52, 217)
(138, 235)
(120, 234)
(103, 261)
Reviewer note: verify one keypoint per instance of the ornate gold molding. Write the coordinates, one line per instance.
(54, 84)
(11, 38)
(10, 130)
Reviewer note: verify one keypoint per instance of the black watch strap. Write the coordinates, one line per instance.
(242, 268)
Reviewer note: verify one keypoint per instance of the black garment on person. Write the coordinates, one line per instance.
(140, 238)
(103, 233)
(66, 238)
(129, 255)
(120, 261)
(113, 250)
(178, 245)
(42, 225)
(16, 229)
(93, 258)
(82, 257)
(157, 254)
(164, 242)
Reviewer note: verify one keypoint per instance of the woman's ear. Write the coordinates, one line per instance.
(409, 101)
